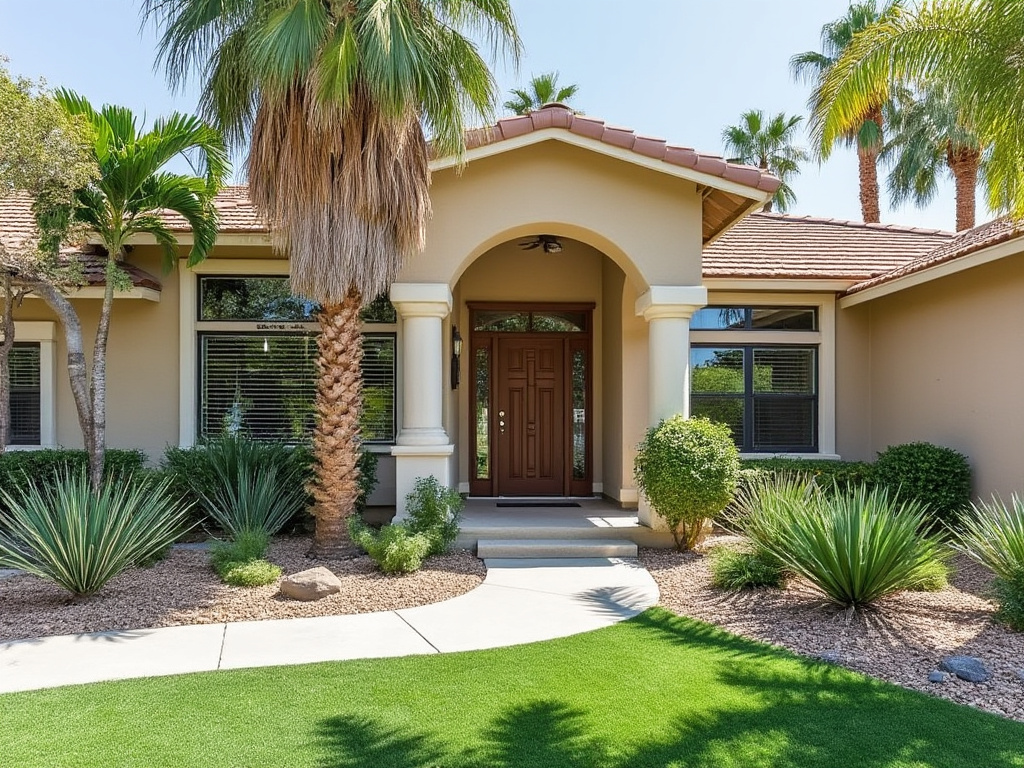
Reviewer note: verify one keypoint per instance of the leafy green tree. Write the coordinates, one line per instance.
(44, 155)
(972, 49)
(864, 130)
(542, 89)
(333, 99)
(127, 199)
(930, 139)
(768, 144)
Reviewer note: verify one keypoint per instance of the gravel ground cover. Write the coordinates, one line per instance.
(182, 589)
(901, 641)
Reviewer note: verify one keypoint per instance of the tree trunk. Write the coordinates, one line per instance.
(763, 165)
(98, 386)
(963, 162)
(335, 485)
(867, 167)
(5, 363)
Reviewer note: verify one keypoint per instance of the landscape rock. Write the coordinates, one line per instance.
(311, 584)
(1020, 674)
(966, 668)
(830, 657)
(937, 676)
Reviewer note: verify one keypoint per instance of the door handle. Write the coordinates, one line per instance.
(501, 421)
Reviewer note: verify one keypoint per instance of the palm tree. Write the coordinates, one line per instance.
(972, 48)
(769, 146)
(333, 99)
(125, 200)
(865, 132)
(929, 139)
(542, 89)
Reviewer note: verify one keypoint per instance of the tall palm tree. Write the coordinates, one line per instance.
(865, 132)
(929, 139)
(768, 144)
(333, 99)
(973, 49)
(126, 200)
(542, 89)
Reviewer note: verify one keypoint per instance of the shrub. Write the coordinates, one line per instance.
(395, 549)
(938, 478)
(435, 511)
(255, 487)
(687, 469)
(254, 573)
(826, 473)
(993, 534)
(45, 467)
(733, 568)
(933, 577)
(78, 539)
(246, 547)
(855, 547)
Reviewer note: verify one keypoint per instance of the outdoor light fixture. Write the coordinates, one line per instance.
(456, 355)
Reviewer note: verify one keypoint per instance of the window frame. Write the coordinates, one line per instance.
(190, 327)
(824, 339)
(43, 333)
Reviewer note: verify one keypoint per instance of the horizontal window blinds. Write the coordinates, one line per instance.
(25, 386)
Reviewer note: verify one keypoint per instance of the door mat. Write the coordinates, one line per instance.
(537, 504)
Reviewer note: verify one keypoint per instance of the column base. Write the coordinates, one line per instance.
(434, 437)
(415, 461)
(647, 516)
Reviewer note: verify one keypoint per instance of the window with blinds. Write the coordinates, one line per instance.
(26, 394)
(258, 378)
(767, 395)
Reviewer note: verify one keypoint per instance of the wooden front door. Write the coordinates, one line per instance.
(530, 417)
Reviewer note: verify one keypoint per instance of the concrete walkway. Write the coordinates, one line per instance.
(520, 601)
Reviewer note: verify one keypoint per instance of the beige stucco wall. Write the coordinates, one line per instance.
(947, 366)
(647, 222)
(853, 384)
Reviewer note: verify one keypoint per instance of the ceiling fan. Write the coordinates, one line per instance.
(549, 243)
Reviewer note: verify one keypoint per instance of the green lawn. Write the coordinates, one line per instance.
(654, 691)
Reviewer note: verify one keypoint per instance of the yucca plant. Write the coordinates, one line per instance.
(256, 486)
(854, 547)
(79, 538)
(993, 535)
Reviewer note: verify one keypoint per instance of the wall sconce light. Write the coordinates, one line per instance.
(456, 356)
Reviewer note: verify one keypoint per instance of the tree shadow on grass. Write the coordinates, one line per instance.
(764, 709)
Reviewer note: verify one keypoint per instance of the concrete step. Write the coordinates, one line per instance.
(555, 548)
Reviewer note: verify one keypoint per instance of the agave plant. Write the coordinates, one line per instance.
(854, 547)
(257, 486)
(80, 539)
(993, 535)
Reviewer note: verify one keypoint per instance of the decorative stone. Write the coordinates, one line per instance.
(1020, 674)
(937, 676)
(830, 657)
(312, 584)
(966, 668)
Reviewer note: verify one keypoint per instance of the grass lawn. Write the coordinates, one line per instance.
(654, 691)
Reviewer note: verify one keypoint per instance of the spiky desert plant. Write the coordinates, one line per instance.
(80, 539)
(993, 535)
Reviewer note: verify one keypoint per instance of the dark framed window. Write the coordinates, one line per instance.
(731, 318)
(766, 394)
(26, 394)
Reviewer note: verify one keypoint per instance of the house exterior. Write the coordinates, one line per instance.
(579, 283)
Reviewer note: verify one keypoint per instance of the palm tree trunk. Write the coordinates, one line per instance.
(963, 163)
(98, 386)
(867, 168)
(335, 485)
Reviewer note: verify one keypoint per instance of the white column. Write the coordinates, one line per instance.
(667, 310)
(423, 447)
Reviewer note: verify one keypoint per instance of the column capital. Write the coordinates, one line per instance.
(421, 299)
(671, 301)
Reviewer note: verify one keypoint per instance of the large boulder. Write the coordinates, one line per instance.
(311, 584)
(966, 668)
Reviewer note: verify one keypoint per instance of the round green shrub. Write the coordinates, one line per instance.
(255, 573)
(687, 469)
(733, 568)
(938, 478)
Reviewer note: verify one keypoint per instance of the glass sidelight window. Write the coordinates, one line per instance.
(482, 378)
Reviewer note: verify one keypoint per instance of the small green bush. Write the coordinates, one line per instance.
(687, 469)
(254, 573)
(435, 511)
(246, 547)
(395, 549)
(44, 467)
(65, 533)
(841, 476)
(992, 533)
(855, 547)
(733, 568)
(936, 477)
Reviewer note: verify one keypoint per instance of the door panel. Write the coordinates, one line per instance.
(530, 392)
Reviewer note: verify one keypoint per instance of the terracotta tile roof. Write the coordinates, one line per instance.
(94, 271)
(772, 245)
(16, 221)
(963, 244)
(237, 213)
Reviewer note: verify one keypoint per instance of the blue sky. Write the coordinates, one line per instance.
(676, 69)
